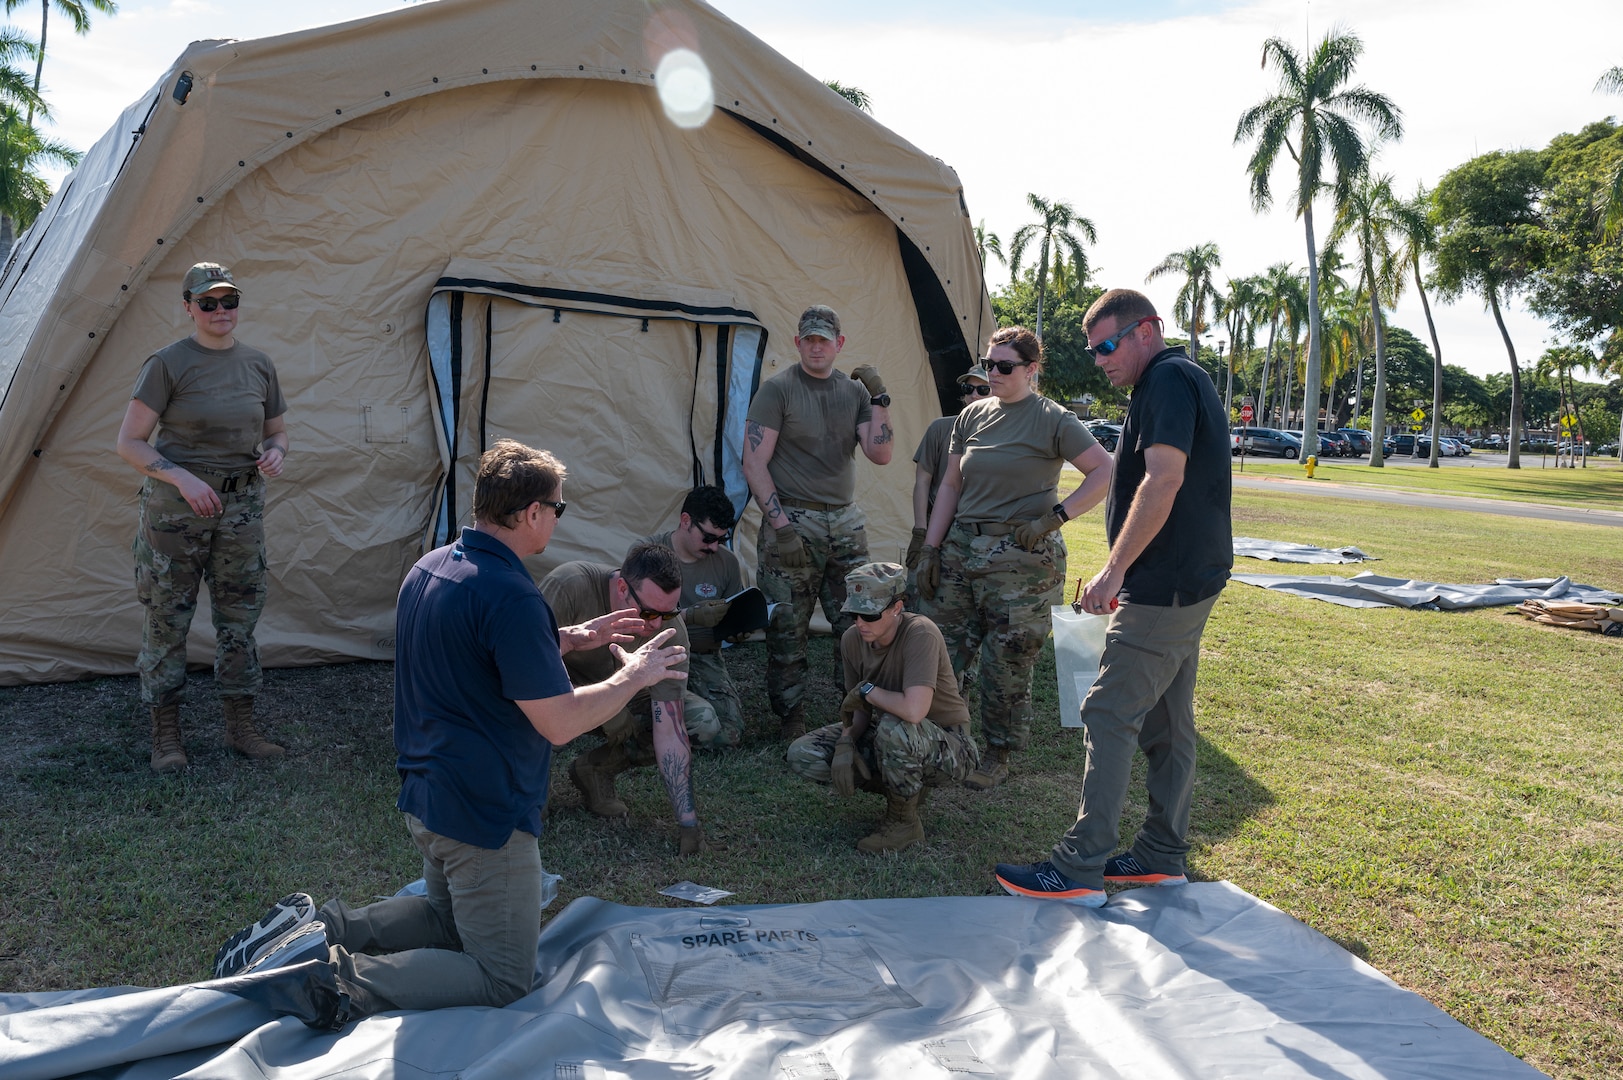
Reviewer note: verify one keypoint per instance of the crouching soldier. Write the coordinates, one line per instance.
(903, 725)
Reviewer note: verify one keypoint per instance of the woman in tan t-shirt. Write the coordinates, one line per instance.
(993, 561)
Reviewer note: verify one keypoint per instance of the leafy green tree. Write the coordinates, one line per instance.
(1368, 215)
(854, 94)
(1196, 264)
(1283, 295)
(1612, 82)
(1314, 117)
(1559, 361)
(1239, 308)
(987, 243)
(23, 192)
(1418, 237)
(1057, 227)
(1068, 372)
(1490, 241)
(76, 11)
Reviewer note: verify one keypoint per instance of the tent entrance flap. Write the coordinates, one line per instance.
(641, 393)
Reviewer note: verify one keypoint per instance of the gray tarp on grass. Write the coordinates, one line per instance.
(1373, 590)
(1285, 551)
(1200, 981)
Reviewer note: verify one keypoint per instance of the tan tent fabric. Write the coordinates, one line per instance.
(615, 279)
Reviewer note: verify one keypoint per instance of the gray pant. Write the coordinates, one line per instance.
(470, 941)
(1144, 697)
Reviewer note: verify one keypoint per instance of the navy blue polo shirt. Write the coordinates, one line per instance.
(1174, 403)
(473, 635)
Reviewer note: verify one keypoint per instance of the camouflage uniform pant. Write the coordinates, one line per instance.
(711, 686)
(906, 757)
(836, 543)
(176, 552)
(993, 600)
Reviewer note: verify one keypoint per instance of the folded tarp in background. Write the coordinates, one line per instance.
(1198, 981)
(1373, 590)
(1285, 551)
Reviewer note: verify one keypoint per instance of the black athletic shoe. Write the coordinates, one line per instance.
(1126, 870)
(248, 944)
(307, 942)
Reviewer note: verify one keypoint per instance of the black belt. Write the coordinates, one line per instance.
(811, 504)
(226, 483)
(991, 528)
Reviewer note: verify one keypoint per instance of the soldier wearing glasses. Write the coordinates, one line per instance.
(1171, 549)
(218, 411)
(930, 459)
(656, 726)
(993, 561)
(800, 441)
(710, 574)
(903, 725)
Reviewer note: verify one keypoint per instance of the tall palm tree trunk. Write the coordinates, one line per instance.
(1515, 385)
(1042, 285)
(1377, 405)
(1267, 358)
(1311, 377)
(39, 65)
(1436, 366)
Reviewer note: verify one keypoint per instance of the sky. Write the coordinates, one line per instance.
(1126, 111)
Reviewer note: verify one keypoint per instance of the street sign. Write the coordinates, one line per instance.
(1246, 414)
(1418, 415)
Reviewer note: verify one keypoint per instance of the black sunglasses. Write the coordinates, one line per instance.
(646, 613)
(708, 537)
(558, 508)
(1108, 345)
(865, 617)
(209, 303)
(1003, 367)
(979, 389)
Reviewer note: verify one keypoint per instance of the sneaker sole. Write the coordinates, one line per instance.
(1148, 879)
(307, 942)
(289, 913)
(1080, 897)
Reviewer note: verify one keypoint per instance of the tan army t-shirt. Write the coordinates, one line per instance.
(579, 592)
(932, 452)
(712, 577)
(1012, 455)
(916, 656)
(212, 404)
(816, 421)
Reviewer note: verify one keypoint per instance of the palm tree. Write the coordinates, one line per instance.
(1239, 306)
(1055, 229)
(23, 193)
(1612, 82)
(1196, 265)
(987, 243)
(1418, 233)
(1277, 284)
(1559, 362)
(1312, 116)
(73, 10)
(1369, 215)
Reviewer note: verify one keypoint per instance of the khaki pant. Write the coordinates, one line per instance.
(836, 543)
(470, 941)
(993, 603)
(176, 552)
(1144, 698)
(906, 757)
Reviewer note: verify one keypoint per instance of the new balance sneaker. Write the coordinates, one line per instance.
(1126, 870)
(246, 945)
(1043, 881)
(307, 942)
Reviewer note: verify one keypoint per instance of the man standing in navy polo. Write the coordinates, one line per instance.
(481, 697)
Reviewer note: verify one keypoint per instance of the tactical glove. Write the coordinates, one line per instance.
(1029, 534)
(705, 613)
(690, 840)
(868, 376)
(845, 765)
(848, 708)
(914, 544)
(929, 571)
(791, 549)
(702, 639)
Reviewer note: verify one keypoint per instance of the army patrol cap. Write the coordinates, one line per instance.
(873, 587)
(819, 320)
(205, 276)
(976, 372)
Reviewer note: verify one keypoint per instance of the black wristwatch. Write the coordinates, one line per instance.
(864, 690)
(1059, 508)
(883, 401)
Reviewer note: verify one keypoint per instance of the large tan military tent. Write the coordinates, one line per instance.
(460, 221)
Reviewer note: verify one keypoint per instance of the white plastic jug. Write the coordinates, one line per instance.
(1079, 642)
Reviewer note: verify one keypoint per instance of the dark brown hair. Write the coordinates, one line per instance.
(1125, 305)
(652, 562)
(1022, 341)
(511, 477)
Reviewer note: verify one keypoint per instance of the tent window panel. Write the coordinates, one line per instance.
(386, 423)
(748, 348)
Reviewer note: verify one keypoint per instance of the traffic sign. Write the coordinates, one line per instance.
(1246, 414)
(1418, 415)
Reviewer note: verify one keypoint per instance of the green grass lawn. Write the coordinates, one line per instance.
(1599, 486)
(1440, 793)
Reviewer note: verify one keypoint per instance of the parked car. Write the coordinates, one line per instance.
(1461, 447)
(1571, 450)
(1608, 450)
(1106, 433)
(1268, 441)
(1361, 440)
(1404, 444)
(1338, 439)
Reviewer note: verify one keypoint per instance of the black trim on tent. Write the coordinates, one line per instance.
(671, 309)
(938, 323)
(693, 403)
(484, 395)
(723, 346)
(456, 410)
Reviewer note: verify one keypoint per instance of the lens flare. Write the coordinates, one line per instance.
(684, 86)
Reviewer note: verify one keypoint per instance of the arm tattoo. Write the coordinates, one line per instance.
(753, 432)
(883, 435)
(159, 464)
(774, 508)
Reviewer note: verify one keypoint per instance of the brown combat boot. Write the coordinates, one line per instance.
(593, 774)
(242, 735)
(898, 830)
(792, 725)
(994, 769)
(167, 754)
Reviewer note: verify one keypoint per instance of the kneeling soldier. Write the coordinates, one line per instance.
(903, 724)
